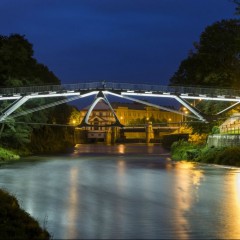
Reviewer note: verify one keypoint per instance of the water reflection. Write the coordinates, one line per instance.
(121, 148)
(231, 206)
(73, 203)
(237, 187)
(100, 148)
(127, 192)
(187, 179)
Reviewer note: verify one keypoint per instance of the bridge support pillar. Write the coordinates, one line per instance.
(149, 132)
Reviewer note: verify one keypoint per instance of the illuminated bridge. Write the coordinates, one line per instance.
(128, 91)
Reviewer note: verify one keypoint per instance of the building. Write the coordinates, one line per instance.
(129, 114)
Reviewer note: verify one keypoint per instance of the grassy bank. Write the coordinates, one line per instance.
(8, 155)
(15, 223)
(183, 150)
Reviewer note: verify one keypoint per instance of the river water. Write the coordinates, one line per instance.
(126, 192)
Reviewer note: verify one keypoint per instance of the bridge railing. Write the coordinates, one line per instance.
(207, 91)
(174, 89)
(122, 87)
(31, 89)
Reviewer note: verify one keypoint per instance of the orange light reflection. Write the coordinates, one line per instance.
(73, 203)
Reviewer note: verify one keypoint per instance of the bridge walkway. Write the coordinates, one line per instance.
(123, 90)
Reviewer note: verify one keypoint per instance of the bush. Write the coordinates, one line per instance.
(7, 155)
(168, 140)
(229, 156)
(193, 154)
(15, 223)
(215, 130)
(183, 150)
(208, 154)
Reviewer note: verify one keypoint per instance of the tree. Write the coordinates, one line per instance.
(237, 7)
(19, 68)
(215, 60)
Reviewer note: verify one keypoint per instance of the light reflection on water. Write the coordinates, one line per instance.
(127, 192)
(73, 203)
(232, 206)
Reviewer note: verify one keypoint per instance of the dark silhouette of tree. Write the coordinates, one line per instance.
(215, 60)
(18, 67)
(237, 7)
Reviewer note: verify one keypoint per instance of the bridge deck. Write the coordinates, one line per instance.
(123, 90)
(128, 88)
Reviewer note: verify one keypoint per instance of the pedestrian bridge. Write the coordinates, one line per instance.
(129, 91)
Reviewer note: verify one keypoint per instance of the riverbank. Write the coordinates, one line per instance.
(183, 150)
(15, 223)
(11, 155)
(8, 155)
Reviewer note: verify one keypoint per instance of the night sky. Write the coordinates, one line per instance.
(117, 40)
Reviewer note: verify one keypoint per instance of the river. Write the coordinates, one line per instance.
(130, 191)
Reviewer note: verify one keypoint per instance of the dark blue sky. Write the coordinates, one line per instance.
(118, 40)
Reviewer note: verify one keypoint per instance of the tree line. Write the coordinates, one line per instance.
(214, 62)
(18, 68)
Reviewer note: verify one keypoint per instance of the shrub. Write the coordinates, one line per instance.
(229, 156)
(215, 130)
(15, 223)
(7, 155)
(183, 150)
(208, 154)
(193, 154)
(168, 140)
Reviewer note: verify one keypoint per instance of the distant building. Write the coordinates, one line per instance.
(127, 113)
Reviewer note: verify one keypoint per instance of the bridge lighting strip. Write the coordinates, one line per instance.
(10, 98)
(179, 99)
(53, 104)
(147, 94)
(230, 107)
(219, 98)
(54, 95)
(37, 95)
(168, 96)
(150, 104)
(21, 101)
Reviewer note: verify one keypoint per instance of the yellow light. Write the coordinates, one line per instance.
(73, 121)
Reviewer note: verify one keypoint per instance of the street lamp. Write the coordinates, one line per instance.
(184, 111)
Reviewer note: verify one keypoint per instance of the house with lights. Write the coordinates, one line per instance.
(129, 115)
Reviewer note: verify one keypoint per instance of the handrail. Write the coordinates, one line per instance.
(122, 87)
